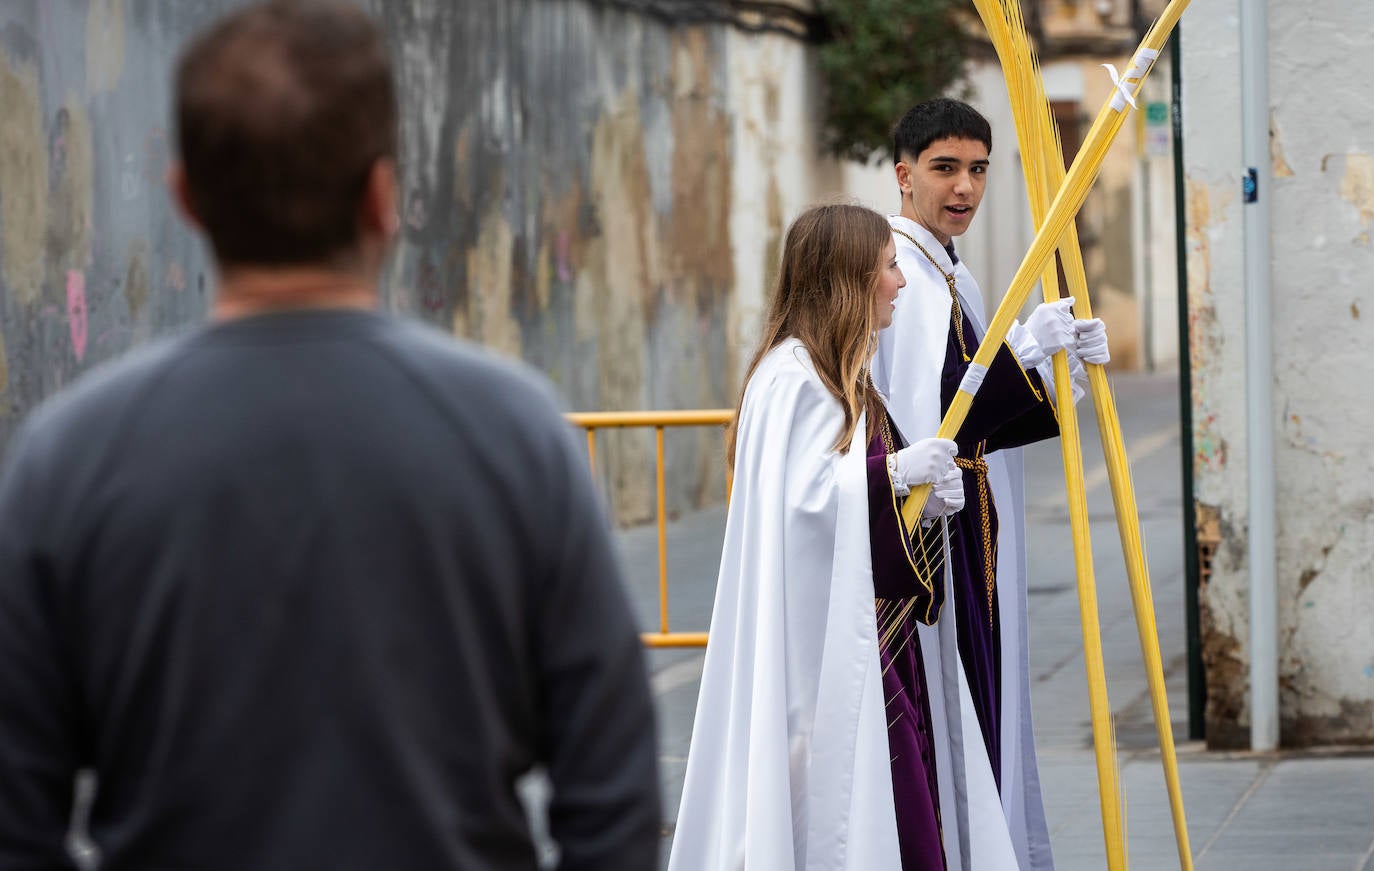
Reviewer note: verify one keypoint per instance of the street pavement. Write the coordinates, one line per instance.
(1292, 811)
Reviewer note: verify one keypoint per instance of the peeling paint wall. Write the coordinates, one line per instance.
(591, 190)
(1322, 204)
(567, 176)
(92, 259)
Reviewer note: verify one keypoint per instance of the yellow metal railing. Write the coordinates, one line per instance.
(591, 421)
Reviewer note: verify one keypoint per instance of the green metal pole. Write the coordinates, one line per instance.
(1192, 569)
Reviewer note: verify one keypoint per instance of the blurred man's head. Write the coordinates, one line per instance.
(287, 130)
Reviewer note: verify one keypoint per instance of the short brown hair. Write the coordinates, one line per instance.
(936, 119)
(282, 109)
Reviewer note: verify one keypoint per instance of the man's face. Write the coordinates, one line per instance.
(945, 183)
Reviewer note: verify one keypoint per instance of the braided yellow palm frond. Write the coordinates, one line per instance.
(1064, 206)
(1050, 191)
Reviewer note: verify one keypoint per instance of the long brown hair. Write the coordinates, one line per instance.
(825, 298)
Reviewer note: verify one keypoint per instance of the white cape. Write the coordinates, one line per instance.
(907, 368)
(789, 766)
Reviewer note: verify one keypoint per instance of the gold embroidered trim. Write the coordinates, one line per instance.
(926, 570)
(1024, 373)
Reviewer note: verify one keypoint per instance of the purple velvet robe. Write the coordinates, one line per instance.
(1011, 409)
(909, 587)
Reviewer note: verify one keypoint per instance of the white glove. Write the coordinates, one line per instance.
(1091, 343)
(1024, 346)
(924, 462)
(946, 497)
(1051, 324)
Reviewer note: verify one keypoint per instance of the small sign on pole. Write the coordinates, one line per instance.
(1157, 135)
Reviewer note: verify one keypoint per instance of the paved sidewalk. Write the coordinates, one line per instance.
(1296, 812)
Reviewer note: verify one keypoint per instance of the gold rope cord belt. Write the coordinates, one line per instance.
(979, 466)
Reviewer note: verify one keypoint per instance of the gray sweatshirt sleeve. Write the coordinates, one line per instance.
(39, 753)
(597, 716)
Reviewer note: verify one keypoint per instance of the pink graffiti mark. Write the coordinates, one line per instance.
(76, 311)
(564, 267)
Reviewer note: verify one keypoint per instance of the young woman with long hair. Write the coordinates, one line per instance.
(814, 745)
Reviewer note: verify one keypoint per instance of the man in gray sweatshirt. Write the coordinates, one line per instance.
(310, 587)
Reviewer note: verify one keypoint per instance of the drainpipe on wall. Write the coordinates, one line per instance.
(1259, 374)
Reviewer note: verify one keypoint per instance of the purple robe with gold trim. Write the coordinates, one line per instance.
(1011, 409)
(903, 570)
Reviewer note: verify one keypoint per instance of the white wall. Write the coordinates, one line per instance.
(1322, 161)
(777, 168)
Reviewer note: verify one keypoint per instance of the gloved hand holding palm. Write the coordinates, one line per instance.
(925, 461)
(946, 496)
(931, 461)
(1090, 341)
(1052, 325)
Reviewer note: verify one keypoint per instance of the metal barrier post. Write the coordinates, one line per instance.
(591, 422)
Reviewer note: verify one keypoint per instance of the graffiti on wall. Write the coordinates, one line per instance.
(567, 202)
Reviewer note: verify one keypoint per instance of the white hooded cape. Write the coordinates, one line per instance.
(907, 368)
(789, 766)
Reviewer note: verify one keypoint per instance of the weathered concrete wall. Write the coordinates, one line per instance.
(91, 258)
(1322, 203)
(591, 190)
(568, 180)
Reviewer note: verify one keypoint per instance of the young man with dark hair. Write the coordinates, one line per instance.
(311, 587)
(941, 150)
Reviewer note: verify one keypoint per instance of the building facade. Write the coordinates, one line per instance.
(1319, 184)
